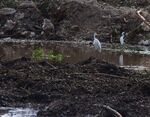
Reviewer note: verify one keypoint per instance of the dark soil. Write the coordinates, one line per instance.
(74, 90)
(81, 89)
(75, 20)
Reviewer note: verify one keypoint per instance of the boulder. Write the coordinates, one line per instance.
(7, 11)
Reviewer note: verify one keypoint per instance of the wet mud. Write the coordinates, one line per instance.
(74, 90)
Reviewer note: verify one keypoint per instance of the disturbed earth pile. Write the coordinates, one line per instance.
(83, 89)
(74, 20)
(74, 90)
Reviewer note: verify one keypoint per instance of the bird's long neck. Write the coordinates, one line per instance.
(122, 35)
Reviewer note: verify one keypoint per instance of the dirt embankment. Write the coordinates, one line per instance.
(74, 90)
(74, 20)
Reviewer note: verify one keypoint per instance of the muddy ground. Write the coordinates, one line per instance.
(74, 90)
(74, 20)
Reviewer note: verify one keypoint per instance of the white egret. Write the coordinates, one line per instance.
(122, 38)
(97, 43)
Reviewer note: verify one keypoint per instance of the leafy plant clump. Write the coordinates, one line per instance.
(39, 54)
(55, 56)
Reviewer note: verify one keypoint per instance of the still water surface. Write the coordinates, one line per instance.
(17, 112)
(76, 52)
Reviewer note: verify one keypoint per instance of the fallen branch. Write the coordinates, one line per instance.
(113, 111)
(51, 65)
(142, 17)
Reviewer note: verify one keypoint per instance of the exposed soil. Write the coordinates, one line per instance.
(81, 89)
(75, 20)
(74, 90)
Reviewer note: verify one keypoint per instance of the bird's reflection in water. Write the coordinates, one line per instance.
(121, 60)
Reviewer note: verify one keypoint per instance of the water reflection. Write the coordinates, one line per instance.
(17, 112)
(121, 60)
(74, 53)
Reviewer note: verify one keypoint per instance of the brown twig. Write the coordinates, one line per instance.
(51, 65)
(113, 111)
(142, 17)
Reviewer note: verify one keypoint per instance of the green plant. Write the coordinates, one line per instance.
(54, 56)
(38, 54)
(59, 57)
(51, 55)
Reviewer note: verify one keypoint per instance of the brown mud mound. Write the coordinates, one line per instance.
(74, 20)
(74, 90)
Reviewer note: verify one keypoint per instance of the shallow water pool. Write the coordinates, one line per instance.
(17, 112)
(133, 57)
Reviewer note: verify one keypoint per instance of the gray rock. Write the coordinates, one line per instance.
(7, 11)
(9, 25)
(19, 16)
(28, 34)
(25, 33)
(27, 4)
(75, 28)
(32, 34)
(48, 25)
(144, 42)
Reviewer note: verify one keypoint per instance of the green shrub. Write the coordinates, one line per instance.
(54, 56)
(38, 54)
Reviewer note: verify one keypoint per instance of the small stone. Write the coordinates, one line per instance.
(144, 42)
(75, 28)
(7, 11)
(42, 32)
(24, 33)
(7, 39)
(28, 34)
(19, 16)
(32, 34)
(48, 25)
(9, 25)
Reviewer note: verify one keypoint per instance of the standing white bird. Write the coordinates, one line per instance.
(97, 43)
(122, 38)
